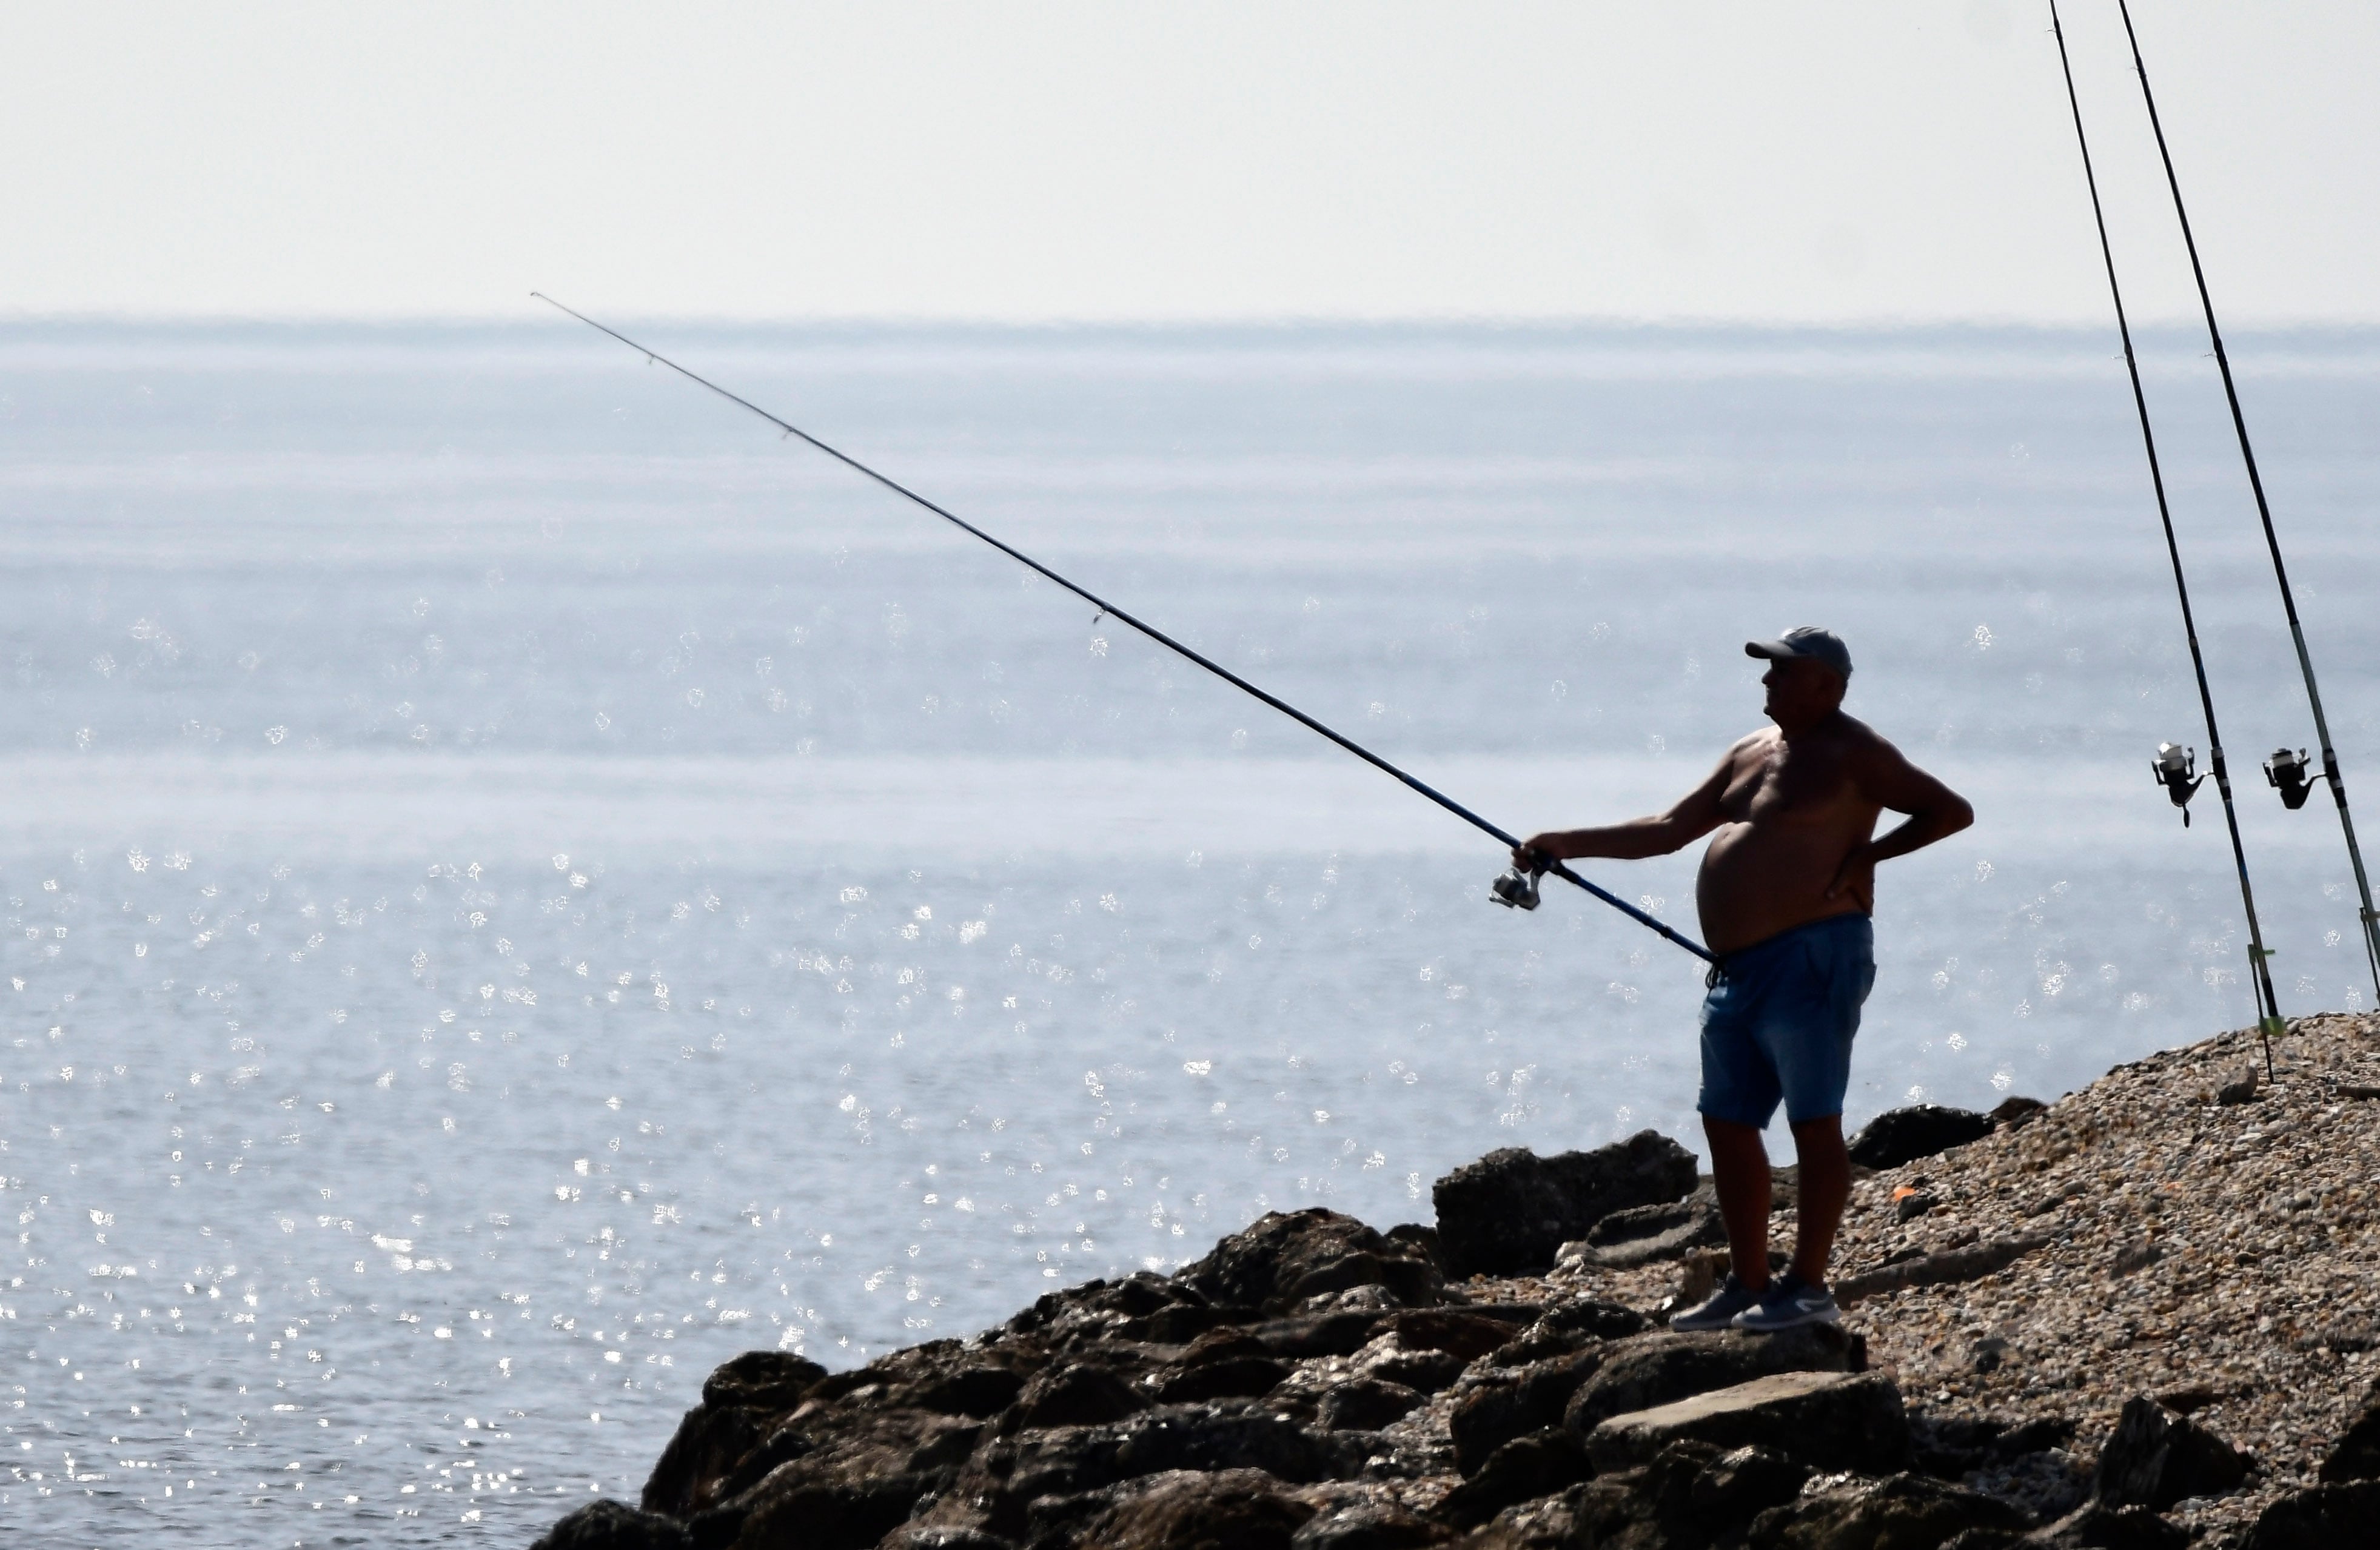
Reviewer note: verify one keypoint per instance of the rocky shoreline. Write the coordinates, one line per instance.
(2144, 1315)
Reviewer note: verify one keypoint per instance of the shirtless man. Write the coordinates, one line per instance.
(1785, 893)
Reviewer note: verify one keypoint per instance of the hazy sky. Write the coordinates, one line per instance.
(1897, 159)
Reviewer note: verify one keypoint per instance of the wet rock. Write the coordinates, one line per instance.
(1366, 1405)
(1739, 1486)
(2015, 1113)
(1652, 1508)
(1504, 1405)
(1370, 1526)
(2156, 1458)
(1341, 1333)
(1899, 1512)
(741, 1401)
(1570, 1327)
(936, 1536)
(2096, 1526)
(1143, 1307)
(1425, 1371)
(1551, 1523)
(1464, 1333)
(763, 1379)
(2324, 1518)
(863, 1473)
(1231, 1435)
(1511, 1211)
(1597, 1316)
(1904, 1135)
(1645, 1370)
(1075, 1394)
(1521, 1471)
(2356, 1455)
(691, 1472)
(1287, 1257)
(609, 1525)
(1232, 1377)
(1826, 1419)
(1184, 1509)
(979, 1391)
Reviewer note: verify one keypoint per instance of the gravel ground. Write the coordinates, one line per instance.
(2217, 1256)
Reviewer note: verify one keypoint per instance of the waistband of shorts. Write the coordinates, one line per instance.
(1824, 925)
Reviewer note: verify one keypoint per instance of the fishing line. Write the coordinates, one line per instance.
(2261, 983)
(1108, 609)
(2279, 769)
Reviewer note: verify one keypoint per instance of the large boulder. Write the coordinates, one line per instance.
(1499, 1406)
(1075, 1394)
(2156, 1458)
(1828, 1421)
(1006, 1476)
(1645, 1370)
(1509, 1212)
(1286, 1257)
(1899, 1512)
(1649, 1234)
(1182, 1509)
(1521, 1471)
(740, 1401)
(609, 1525)
(1904, 1135)
(2324, 1518)
(850, 1477)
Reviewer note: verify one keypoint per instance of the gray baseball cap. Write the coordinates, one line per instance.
(1807, 642)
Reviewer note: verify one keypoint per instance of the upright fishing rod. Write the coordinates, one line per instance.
(2287, 772)
(1523, 892)
(2261, 980)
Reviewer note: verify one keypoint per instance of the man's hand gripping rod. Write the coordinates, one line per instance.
(1226, 674)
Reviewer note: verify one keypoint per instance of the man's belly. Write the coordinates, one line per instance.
(1759, 879)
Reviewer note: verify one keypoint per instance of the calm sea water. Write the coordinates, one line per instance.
(520, 885)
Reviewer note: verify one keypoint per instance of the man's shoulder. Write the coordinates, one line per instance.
(1864, 750)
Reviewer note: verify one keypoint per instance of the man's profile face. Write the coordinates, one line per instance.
(1800, 689)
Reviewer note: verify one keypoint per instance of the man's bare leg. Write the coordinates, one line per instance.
(1825, 1187)
(1740, 1173)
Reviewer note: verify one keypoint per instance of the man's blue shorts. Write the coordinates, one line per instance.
(1778, 1021)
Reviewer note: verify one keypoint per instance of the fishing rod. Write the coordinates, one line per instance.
(1512, 889)
(2286, 771)
(2261, 981)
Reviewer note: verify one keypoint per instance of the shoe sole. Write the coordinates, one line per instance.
(1828, 1315)
(1701, 1328)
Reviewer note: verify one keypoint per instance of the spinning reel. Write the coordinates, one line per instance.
(1517, 888)
(2177, 770)
(2289, 775)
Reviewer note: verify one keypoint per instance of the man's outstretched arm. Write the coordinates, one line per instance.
(1935, 812)
(1695, 815)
